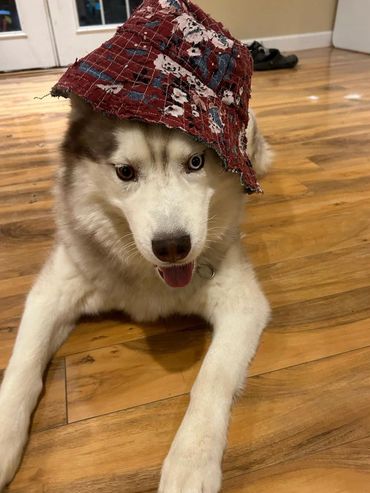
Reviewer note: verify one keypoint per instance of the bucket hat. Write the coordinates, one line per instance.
(172, 64)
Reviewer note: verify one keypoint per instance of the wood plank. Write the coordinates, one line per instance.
(284, 416)
(329, 273)
(342, 469)
(106, 330)
(288, 239)
(133, 373)
(52, 408)
(314, 329)
(116, 328)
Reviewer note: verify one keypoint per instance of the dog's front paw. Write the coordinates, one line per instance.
(191, 470)
(10, 456)
(13, 436)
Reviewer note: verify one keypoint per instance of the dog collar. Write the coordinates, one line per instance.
(206, 271)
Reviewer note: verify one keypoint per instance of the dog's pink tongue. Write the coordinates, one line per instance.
(177, 276)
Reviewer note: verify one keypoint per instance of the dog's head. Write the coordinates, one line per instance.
(136, 187)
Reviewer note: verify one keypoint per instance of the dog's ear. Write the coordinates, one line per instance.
(90, 133)
(259, 150)
(80, 109)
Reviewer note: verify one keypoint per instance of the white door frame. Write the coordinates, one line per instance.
(33, 46)
(74, 41)
(51, 35)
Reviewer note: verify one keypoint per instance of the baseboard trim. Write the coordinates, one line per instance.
(294, 42)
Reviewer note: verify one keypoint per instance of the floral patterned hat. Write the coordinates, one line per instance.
(171, 63)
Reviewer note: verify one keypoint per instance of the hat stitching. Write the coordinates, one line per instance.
(218, 119)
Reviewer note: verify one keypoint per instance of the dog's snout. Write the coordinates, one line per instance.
(171, 249)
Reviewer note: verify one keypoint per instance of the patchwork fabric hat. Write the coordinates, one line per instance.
(171, 63)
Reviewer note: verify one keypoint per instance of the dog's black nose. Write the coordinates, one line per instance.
(171, 248)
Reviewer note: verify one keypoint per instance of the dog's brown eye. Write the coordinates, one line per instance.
(126, 172)
(196, 162)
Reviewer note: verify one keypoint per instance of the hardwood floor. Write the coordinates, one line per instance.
(116, 391)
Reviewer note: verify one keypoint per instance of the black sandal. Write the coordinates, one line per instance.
(270, 59)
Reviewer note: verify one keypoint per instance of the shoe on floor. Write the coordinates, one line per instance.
(270, 59)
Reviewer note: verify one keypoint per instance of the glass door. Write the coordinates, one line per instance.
(82, 25)
(26, 40)
(49, 33)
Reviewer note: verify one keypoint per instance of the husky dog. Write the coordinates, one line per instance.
(148, 223)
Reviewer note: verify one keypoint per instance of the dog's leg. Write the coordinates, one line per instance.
(52, 306)
(238, 311)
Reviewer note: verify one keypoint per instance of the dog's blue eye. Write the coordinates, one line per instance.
(126, 172)
(196, 162)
